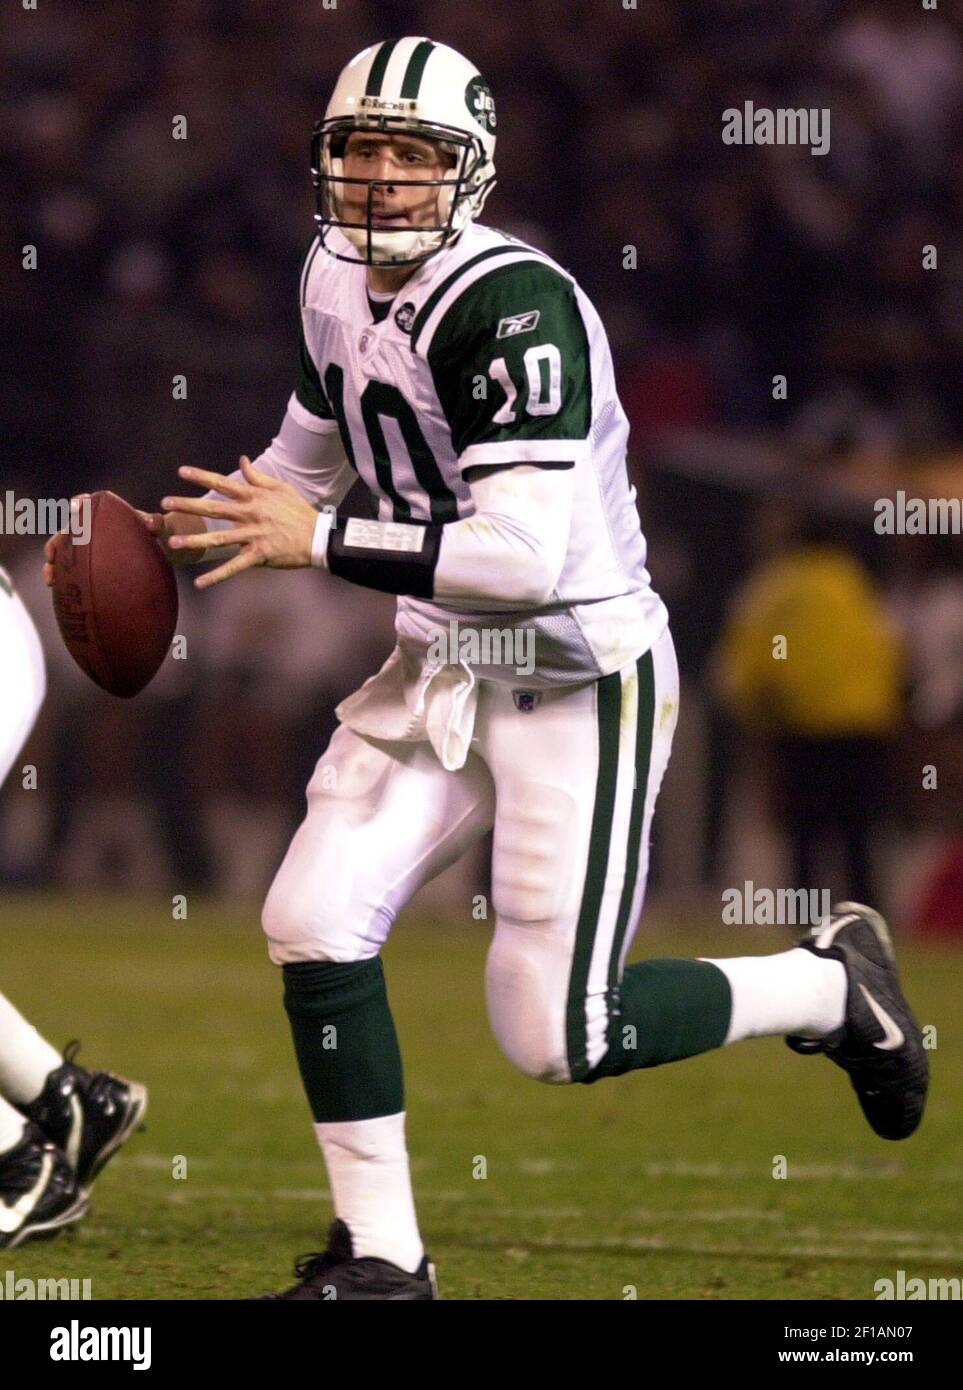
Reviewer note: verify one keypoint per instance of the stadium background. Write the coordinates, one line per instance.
(160, 257)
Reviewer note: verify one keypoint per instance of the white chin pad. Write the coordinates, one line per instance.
(391, 246)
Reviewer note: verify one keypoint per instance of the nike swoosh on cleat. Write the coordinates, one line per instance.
(825, 936)
(13, 1217)
(893, 1034)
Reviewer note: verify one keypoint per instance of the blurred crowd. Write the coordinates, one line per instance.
(163, 255)
(159, 257)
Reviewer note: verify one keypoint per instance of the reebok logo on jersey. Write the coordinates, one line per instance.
(893, 1034)
(518, 323)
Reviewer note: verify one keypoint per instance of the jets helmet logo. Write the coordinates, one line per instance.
(481, 103)
(514, 324)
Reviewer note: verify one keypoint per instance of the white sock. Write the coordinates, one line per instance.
(26, 1059)
(12, 1125)
(792, 992)
(367, 1165)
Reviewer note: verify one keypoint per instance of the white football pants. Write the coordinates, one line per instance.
(570, 788)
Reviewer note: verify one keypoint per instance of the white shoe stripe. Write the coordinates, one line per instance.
(893, 1034)
(13, 1217)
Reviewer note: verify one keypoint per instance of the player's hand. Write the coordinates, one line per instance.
(49, 551)
(156, 523)
(50, 544)
(162, 528)
(274, 524)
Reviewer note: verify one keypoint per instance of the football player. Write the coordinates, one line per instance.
(59, 1122)
(466, 378)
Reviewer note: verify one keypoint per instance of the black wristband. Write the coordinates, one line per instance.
(363, 553)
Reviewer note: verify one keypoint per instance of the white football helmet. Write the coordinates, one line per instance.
(418, 88)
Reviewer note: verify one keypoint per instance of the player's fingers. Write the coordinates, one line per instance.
(203, 477)
(210, 540)
(204, 506)
(254, 475)
(151, 520)
(248, 559)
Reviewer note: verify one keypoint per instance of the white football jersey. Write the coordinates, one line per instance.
(490, 354)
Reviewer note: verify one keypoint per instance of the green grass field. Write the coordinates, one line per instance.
(661, 1180)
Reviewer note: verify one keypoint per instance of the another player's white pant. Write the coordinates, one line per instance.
(570, 788)
(24, 681)
(22, 689)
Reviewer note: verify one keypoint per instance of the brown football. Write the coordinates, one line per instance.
(115, 597)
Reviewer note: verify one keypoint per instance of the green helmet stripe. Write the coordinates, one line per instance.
(377, 74)
(415, 68)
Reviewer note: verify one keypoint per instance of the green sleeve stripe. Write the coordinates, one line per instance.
(309, 390)
(306, 269)
(415, 68)
(5, 583)
(377, 74)
(426, 310)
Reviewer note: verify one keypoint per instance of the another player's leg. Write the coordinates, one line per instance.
(39, 1192)
(382, 820)
(87, 1114)
(69, 1120)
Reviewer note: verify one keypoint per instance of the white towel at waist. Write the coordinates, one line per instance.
(412, 698)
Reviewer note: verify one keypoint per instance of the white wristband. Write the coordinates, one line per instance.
(319, 542)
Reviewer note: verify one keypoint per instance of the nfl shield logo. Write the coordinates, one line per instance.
(363, 342)
(526, 700)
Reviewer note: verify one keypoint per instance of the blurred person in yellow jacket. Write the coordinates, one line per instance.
(809, 656)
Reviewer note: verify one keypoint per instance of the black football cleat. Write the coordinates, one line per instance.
(880, 1044)
(337, 1275)
(39, 1192)
(88, 1114)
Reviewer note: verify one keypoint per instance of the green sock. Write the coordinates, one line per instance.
(665, 1010)
(345, 1039)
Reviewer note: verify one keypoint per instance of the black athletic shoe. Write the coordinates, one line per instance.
(880, 1044)
(39, 1192)
(88, 1114)
(336, 1274)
